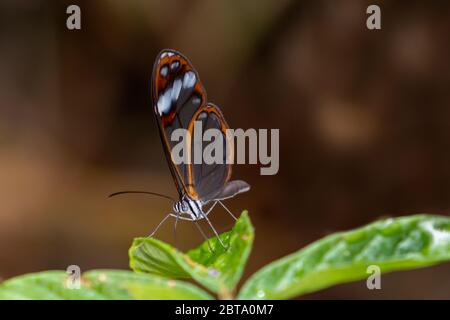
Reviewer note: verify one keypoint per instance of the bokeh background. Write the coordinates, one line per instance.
(363, 116)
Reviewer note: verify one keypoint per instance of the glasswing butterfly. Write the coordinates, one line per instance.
(179, 100)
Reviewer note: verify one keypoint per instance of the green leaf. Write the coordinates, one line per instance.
(219, 271)
(391, 244)
(98, 284)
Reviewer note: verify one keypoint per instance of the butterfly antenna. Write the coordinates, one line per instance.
(141, 192)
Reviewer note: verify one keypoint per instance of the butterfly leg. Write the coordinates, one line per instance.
(175, 230)
(211, 208)
(201, 230)
(159, 225)
(213, 229)
(227, 209)
(204, 235)
(231, 214)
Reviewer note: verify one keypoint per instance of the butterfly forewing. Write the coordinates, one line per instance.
(179, 100)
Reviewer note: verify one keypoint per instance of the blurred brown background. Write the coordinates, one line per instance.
(363, 115)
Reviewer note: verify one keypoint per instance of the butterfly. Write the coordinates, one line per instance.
(179, 100)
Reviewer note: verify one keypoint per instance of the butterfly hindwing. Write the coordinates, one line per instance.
(206, 180)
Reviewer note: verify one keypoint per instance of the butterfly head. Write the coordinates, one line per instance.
(191, 209)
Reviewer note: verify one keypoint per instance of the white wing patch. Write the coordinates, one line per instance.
(189, 79)
(172, 93)
(164, 102)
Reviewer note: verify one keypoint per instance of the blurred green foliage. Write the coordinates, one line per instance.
(391, 244)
